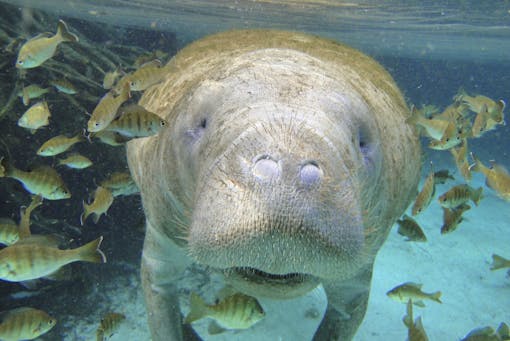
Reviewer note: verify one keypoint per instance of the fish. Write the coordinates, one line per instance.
(452, 218)
(30, 92)
(135, 121)
(110, 78)
(109, 324)
(35, 117)
(477, 102)
(146, 76)
(415, 329)
(460, 157)
(452, 137)
(58, 144)
(434, 128)
(408, 227)
(30, 261)
(24, 223)
(75, 161)
(110, 138)
(42, 180)
(106, 109)
(9, 233)
(480, 124)
(499, 262)
(25, 323)
(488, 334)
(103, 199)
(41, 48)
(441, 176)
(120, 183)
(460, 194)
(237, 311)
(63, 85)
(496, 177)
(409, 290)
(425, 196)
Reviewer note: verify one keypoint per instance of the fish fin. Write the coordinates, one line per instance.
(460, 95)
(154, 62)
(198, 308)
(436, 296)
(408, 319)
(413, 284)
(477, 165)
(5, 168)
(90, 252)
(41, 35)
(415, 116)
(498, 262)
(503, 331)
(477, 196)
(215, 329)
(85, 213)
(95, 217)
(62, 274)
(64, 34)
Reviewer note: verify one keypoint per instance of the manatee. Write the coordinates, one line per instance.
(285, 163)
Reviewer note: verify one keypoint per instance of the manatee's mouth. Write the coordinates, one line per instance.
(260, 283)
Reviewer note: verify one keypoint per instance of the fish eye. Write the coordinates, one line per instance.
(96, 124)
(20, 62)
(132, 84)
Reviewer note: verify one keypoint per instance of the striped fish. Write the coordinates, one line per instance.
(136, 121)
(106, 109)
(58, 144)
(459, 195)
(110, 323)
(425, 196)
(25, 324)
(9, 233)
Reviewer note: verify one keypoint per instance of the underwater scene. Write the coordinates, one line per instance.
(84, 85)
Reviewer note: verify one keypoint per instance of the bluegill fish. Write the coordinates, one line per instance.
(110, 138)
(237, 311)
(488, 334)
(441, 176)
(452, 218)
(30, 261)
(460, 156)
(106, 109)
(75, 161)
(460, 194)
(110, 323)
(103, 199)
(496, 177)
(58, 144)
(408, 227)
(452, 137)
(24, 222)
(42, 180)
(9, 233)
(41, 48)
(25, 324)
(425, 196)
(434, 128)
(65, 86)
(409, 290)
(136, 121)
(31, 92)
(35, 117)
(415, 329)
(499, 262)
(147, 75)
(476, 103)
(120, 183)
(110, 78)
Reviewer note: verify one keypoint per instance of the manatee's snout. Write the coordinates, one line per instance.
(267, 169)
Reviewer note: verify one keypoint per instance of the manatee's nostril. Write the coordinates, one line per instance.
(266, 168)
(310, 174)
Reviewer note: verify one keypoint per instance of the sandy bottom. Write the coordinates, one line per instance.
(457, 264)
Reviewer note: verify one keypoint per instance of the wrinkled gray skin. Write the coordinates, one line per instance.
(286, 161)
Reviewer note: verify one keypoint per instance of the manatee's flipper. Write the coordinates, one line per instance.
(160, 268)
(347, 304)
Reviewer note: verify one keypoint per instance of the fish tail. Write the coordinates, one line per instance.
(64, 34)
(8, 170)
(460, 95)
(498, 262)
(90, 252)
(477, 165)
(198, 309)
(477, 195)
(408, 319)
(436, 296)
(85, 213)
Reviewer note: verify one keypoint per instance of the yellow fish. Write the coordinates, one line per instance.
(41, 48)
(110, 138)
(24, 222)
(496, 177)
(461, 161)
(488, 334)
(63, 85)
(425, 196)
(409, 290)
(35, 117)
(25, 324)
(106, 109)
(110, 323)
(58, 144)
(476, 104)
(499, 262)
(147, 75)
(42, 180)
(434, 128)
(460, 194)
(120, 184)
(415, 330)
(103, 199)
(480, 124)
(234, 312)
(136, 121)
(452, 218)
(75, 161)
(110, 78)
(23, 262)
(9, 233)
(31, 92)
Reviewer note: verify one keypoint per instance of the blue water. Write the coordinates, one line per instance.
(432, 49)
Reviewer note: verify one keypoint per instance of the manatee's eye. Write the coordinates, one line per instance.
(198, 129)
(368, 148)
(203, 123)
